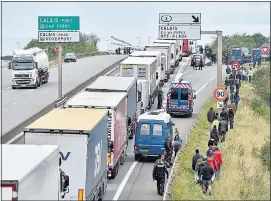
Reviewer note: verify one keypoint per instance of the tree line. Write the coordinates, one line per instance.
(241, 40)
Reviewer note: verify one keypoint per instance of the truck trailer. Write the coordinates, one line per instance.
(82, 138)
(32, 172)
(173, 44)
(30, 68)
(160, 71)
(116, 103)
(165, 50)
(144, 69)
(121, 84)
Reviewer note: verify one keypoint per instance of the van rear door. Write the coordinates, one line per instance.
(174, 97)
(143, 137)
(184, 93)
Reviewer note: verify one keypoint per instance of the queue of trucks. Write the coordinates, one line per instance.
(90, 132)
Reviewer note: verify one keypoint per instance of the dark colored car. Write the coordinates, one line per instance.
(70, 57)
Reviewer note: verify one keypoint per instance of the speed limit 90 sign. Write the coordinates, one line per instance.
(220, 94)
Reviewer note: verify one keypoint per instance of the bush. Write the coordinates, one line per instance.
(261, 84)
(265, 153)
(88, 43)
(260, 107)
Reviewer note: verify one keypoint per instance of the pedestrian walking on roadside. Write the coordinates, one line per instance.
(218, 157)
(195, 159)
(211, 116)
(231, 118)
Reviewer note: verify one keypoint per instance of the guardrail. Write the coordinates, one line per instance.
(18, 129)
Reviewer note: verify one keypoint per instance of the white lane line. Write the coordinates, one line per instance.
(179, 74)
(14, 103)
(124, 181)
(8, 88)
(117, 74)
(3, 109)
(212, 78)
(108, 73)
(202, 88)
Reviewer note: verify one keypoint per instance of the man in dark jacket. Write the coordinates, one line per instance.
(177, 143)
(211, 116)
(159, 172)
(236, 99)
(224, 114)
(223, 129)
(239, 76)
(231, 117)
(227, 83)
(169, 150)
(214, 134)
(206, 175)
(237, 85)
(195, 158)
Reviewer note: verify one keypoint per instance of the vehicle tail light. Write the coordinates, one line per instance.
(135, 147)
(81, 194)
(109, 173)
(168, 98)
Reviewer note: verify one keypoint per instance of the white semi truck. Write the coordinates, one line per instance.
(144, 68)
(165, 50)
(30, 68)
(32, 172)
(82, 138)
(160, 71)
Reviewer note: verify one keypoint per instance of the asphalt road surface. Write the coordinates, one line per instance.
(20, 104)
(134, 181)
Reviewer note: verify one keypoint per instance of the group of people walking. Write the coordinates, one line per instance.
(208, 168)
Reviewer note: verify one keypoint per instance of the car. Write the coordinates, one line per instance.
(70, 57)
(197, 59)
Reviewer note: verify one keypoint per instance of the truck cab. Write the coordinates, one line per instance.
(29, 68)
(152, 130)
(256, 54)
(180, 98)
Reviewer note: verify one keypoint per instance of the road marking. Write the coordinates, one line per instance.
(124, 181)
(8, 88)
(42, 88)
(212, 78)
(29, 94)
(111, 71)
(187, 72)
(202, 88)
(3, 109)
(117, 74)
(14, 103)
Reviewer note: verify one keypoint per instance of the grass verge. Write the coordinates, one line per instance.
(243, 175)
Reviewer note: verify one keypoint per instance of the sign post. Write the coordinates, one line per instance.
(58, 29)
(179, 26)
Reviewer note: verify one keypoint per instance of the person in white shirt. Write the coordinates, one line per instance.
(250, 75)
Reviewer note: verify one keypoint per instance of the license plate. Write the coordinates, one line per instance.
(144, 150)
(23, 85)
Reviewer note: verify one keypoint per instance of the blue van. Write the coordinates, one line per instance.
(152, 130)
(180, 98)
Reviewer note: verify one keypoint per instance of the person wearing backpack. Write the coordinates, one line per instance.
(231, 118)
(237, 85)
(236, 99)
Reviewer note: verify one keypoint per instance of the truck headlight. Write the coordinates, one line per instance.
(13, 81)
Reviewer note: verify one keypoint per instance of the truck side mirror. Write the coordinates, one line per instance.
(157, 76)
(162, 67)
(36, 65)
(59, 162)
(9, 65)
(171, 55)
(194, 97)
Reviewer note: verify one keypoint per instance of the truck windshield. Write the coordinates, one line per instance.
(236, 53)
(23, 66)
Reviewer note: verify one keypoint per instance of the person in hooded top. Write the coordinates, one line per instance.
(214, 134)
(213, 164)
(219, 159)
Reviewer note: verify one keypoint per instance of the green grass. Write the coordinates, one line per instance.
(243, 176)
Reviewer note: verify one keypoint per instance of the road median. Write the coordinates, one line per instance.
(243, 175)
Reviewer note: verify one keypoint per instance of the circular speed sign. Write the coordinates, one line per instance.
(235, 66)
(220, 94)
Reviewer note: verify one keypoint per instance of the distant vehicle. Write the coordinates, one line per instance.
(70, 57)
(196, 59)
(240, 54)
(256, 54)
(185, 48)
(180, 98)
(30, 68)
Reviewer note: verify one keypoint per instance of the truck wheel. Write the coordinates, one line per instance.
(115, 171)
(36, 84)
(190, 114)
(39, 83)
(122, 158)
(137, 157)
(46, 80)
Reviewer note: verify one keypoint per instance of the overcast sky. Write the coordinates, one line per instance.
(128, 21)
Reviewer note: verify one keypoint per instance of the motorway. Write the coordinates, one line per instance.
(134, 181)
(20, 104)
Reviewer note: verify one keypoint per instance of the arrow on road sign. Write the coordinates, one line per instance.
(219, 105)
(265, 49)
(196, 19)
